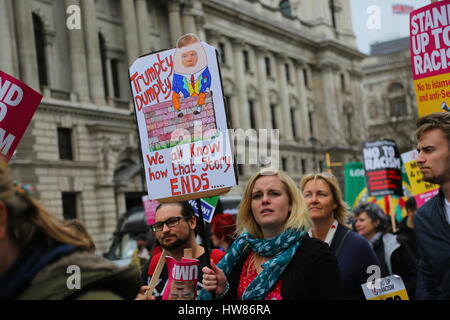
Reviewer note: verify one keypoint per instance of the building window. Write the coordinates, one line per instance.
(288, 74)
(342, 82)
(293, 123)
(285, 8)
(273, 115)
(251, 110)
(39, 36)
(246, 60)
(284, 164)
(348, 114)
(222, 53)
(69, 205)
(333, 13)
(240, 168)
(115, 77)
(397, 100)
(65, 143)
(398, 107)
(102, 42)
(311, 122)
(303, 166)
(305, 78)
(268, 70)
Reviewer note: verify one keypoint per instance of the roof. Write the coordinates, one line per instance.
(387, 47)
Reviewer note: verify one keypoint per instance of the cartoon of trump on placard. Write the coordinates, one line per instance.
(191, 76)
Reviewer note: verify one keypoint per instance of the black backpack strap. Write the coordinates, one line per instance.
(342, 242)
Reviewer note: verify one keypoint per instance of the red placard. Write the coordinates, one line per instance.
(18, 102)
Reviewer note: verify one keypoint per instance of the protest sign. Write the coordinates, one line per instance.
(183, 277)
(388, 288)
(208, 207)
(182, 123)
(356, 191)
(150, 209)
(422, 190)
(354, 183)
(430, 56)
(18, 103)
(382, 168)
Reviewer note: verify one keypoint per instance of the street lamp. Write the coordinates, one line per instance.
(313, 141)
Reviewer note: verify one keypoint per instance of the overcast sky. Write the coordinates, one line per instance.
(391, 26)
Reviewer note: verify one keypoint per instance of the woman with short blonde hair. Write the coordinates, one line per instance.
(329, 214)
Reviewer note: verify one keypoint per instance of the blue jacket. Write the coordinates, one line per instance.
(433, 241)
(354, 256)
(181, 84)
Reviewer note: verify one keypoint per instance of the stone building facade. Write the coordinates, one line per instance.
(389, 95)
(287, 65)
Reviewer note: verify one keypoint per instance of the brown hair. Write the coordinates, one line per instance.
(187, 40)
(28, 219)
(80, 229)
(341, 212)
(436, 120)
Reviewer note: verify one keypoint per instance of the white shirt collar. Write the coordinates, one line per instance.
(331, 232)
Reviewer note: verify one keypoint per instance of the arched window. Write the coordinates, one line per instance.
(39, 36)
(397, 100)
(285, 8)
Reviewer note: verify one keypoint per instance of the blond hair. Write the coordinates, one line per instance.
(298, 217)
(342, 210)
(27, 219)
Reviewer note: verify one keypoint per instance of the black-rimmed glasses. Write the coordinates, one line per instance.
(170, 223)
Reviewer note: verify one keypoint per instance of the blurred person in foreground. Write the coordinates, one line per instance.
(432, 220)
(273, 258)
(40, 256)
(329, 214)
(79, 228)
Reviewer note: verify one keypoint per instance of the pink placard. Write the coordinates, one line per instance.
(424, 197)
(429, 40)
(182, 282)
(18, 103)
(150, 209)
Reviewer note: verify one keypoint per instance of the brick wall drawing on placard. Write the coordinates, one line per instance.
(162, 121)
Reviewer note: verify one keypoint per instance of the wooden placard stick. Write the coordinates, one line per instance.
(157, 273)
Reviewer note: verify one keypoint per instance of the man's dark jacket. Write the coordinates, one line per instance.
(433, 240)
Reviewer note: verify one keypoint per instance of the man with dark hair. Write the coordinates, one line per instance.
(432, 221)
(406, 226)
(175, 231)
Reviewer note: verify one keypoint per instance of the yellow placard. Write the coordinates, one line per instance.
(415, 176)
(397, 295)
(433, 94)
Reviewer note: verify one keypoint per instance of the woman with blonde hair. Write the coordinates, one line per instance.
(43, 259)
(273, 257)
(329, 214)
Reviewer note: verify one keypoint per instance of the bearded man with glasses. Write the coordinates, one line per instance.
(175, 230)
